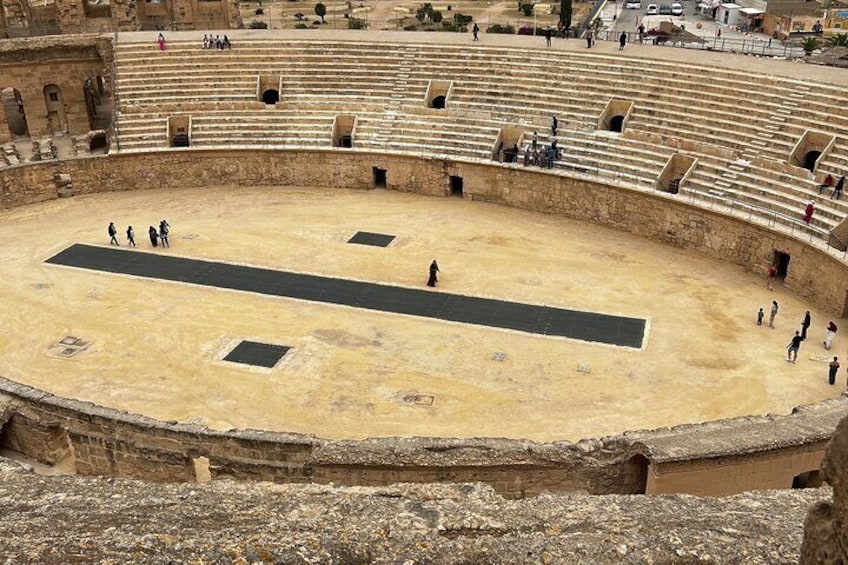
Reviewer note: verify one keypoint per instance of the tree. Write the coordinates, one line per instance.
(321, 11)
(527, 8)
(436, 16)
(838, 40)
(424, 13)
(565, 14)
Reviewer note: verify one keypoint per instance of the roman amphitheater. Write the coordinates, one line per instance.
(586, 384)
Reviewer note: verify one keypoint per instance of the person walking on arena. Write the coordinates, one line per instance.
(805, 325)
(773, 313)
(434, 269)
(113, 231)
(837, 190)
(131, 237)
(772, 274)
(793, 347)
(622, 40)
(833, 368)
(830, 334)
(760, 316)
(476, 31)
(164, 231)
(154, 236)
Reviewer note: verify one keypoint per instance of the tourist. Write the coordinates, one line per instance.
(164, 230)
(829, 335)
(772, 274)
(827, 184)
(113, 231)
(548, 36)
(805, 325)
(622, 40)
(205, 41)
(808, 211)
(561, 30)
(131, 237)
(833, 367)
(773, 313)
(225, 43)
(535, 140)
(161, 41)
(526, 156)
(554, 125)
(154, 236)
(641, 30)
(476, 32)
(793, 347)
(217, 42)
(837, 190)
(760, 316)
(434, 268)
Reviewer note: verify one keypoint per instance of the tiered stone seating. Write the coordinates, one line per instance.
(724, 118)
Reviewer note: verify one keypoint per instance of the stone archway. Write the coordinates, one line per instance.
(57, 122)
(15, 114)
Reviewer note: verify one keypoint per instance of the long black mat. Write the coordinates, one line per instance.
(586, 326)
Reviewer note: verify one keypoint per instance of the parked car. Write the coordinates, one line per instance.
(677, 9)
(665, 10)
(633, 4)
(652, 10)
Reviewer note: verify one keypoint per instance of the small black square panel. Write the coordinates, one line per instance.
(257, 354)
(368, 238)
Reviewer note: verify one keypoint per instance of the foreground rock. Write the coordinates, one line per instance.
(81, 520)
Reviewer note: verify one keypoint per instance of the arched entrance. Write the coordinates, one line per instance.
(97, 103)
(439, 102)
(810, 160)
(13, 108)
(271, 96)
(617, 124)
(57, 122)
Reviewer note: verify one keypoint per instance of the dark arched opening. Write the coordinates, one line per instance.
(810, 479)
(439, 102)
(97, 104)
(13, 106)
(180, 140)
(271, 96)
(810, 160)
(617, 124)
(97, 144)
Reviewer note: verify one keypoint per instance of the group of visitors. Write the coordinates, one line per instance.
(217, 42)
(156, 236)
(832, 184)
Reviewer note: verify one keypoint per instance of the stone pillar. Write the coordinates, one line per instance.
(826, 526)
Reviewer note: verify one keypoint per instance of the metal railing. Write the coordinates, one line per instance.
(748, 46)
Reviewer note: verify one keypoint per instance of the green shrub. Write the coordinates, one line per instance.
(357, 23)
(462, 19)
(258, 25)
(300, 25)
(436, 17)
(527, 8)
(498, 28)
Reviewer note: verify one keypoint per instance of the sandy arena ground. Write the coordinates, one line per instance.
(155, 347)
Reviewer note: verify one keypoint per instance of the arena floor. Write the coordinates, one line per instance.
(156, 347)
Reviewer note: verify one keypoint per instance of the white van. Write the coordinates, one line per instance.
(633, 4)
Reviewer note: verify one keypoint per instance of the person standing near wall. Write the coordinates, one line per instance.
(760, 316)
(773, 313)
(833, 368)
(113, 231)
(622, 40)
(772, 274)
(830, 335)
(805, 325)
(793, 347)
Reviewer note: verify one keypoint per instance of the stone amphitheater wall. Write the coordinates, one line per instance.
(814, 274)
(101, 441)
